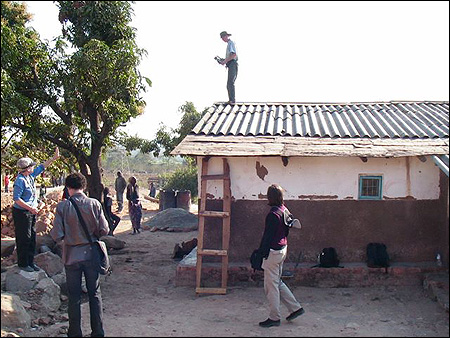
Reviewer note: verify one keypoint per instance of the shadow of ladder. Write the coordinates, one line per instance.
(225, 215)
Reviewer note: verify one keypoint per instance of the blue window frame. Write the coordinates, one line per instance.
(370, 187)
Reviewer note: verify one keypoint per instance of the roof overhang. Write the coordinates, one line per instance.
(204, 145)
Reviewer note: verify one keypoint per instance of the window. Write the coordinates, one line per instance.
(370, 187)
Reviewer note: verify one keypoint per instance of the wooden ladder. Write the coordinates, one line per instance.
(225, 215)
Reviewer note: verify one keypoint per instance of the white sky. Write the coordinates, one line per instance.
(304, 51)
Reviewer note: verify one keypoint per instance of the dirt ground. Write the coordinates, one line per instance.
(140, 300)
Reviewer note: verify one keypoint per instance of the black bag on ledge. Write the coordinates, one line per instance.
(328, 259)
(377, 256)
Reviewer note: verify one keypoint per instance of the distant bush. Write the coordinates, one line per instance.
(181, 179)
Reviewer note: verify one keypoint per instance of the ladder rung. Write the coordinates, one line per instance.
(222, 214)
(215, 177)
(218, 291)
(212, 252)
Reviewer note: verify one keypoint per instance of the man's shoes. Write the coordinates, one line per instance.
(269, 322)
(26, 268)
(34, 267)
(295, 314)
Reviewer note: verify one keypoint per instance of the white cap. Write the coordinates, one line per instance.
(25, 162)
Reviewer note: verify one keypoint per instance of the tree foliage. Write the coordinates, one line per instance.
(182, 179)
(78, 93)
(167, 139)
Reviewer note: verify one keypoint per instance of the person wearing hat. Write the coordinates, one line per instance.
(25, 209)
(230, 62)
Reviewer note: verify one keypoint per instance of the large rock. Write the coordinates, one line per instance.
(8, 246)
(17, 280)
(61, 281)
(14, 314)
(113, 243)
(173, 219)
(51, 263)
(44, 240)
(50, 295)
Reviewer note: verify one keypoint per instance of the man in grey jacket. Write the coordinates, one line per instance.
(120, 185)
(77, 256)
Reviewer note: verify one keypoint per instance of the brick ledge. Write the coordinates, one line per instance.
(351, 275)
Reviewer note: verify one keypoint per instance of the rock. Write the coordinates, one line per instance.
(185, 248)
(50, 297)
(113, 243)
(51, 263)
(8, 245)
(22, 281)
(14, 314)
(353, 326)
(60, 280)
(44, 240)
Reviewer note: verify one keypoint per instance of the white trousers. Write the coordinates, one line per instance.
(274, 287)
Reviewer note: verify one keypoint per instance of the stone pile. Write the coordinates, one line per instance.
(173, 220)
(44, 218)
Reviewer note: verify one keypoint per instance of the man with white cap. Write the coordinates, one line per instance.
(25, 208)
(230, 62)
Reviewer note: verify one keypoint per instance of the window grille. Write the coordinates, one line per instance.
(370, 187)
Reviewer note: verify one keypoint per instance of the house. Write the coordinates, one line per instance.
(353, 173)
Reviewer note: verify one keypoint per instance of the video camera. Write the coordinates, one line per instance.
(219, 59)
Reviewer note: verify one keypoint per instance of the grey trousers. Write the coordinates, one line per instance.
(274, 287)
(119, 196)
(232, 75)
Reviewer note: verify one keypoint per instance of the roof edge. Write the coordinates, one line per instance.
(320, 102)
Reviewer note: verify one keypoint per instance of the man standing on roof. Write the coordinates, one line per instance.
(230, 62)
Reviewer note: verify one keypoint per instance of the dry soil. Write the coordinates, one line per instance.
(141, 300)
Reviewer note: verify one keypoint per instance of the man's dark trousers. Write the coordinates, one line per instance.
(73, 277)
(24, 222)
(232, 75)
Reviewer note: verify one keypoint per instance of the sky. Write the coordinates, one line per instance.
(289, 51)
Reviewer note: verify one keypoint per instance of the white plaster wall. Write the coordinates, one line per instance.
(325, 177)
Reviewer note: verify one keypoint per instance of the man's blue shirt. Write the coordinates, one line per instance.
(25, 189)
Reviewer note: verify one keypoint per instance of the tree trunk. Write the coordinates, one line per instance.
(92, 171)
(95, 184)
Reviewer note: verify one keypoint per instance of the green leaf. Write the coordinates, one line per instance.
(149, 82)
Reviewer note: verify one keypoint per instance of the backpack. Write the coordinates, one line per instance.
(328, 259)
(288, 219)
(256, 260)
(377, 256)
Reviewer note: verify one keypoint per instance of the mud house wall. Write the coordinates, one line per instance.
(323, 192)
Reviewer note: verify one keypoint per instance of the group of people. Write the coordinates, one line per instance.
(102, 221)
(76, 254)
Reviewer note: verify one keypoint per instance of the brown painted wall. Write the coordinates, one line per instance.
(413, 230)
(444, 196)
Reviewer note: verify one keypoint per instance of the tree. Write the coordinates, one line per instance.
(77, 97)
(169, 139)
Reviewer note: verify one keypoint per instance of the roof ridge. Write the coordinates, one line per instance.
(331, 103)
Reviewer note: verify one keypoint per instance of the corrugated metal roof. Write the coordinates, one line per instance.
(442, 162)
(405, 120)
